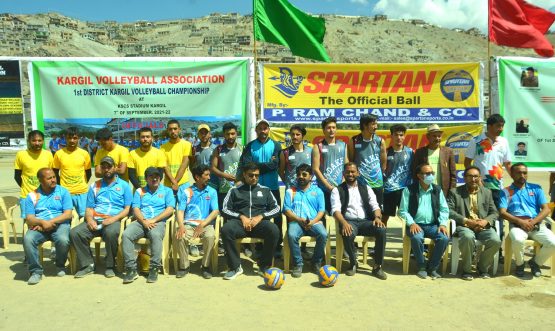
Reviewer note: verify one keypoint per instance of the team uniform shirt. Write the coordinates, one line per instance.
(228, 162)
(108, 200)
(263, 153)
(293, 159)
(355, 209)
(305, 204)
(54, 145)
(72, 167)
(522, 202)
(174, 154)
(120, 155)
(197, 203)
(398, 174)
(48, 206)
(140, 160)
(489, 158)
(29, 163)
(367, 158)
(203, 155)
(332, 162)
(153, 204)
(424, 215)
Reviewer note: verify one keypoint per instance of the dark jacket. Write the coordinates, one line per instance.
(459, 205)
(414, 190)
(250, 201)
(343, 190)
(448, 166)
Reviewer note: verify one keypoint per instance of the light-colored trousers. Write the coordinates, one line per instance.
(543, 235)
(207, 239)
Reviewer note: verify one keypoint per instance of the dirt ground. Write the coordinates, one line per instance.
(361, 302)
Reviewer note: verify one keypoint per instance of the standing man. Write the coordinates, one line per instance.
(304, 208)
(27, 164)
(108, 202)
(265, 153)
(152, 206)
(176, 152)
(355, 207)
(117, 152)
(293, 156)
(328, 159)
(204, 150)
(425, 211)
(524, 205)
(54, 144)
(196, 215)
(48, 218)
(143, 157)
(440, 158)
(72, 165)
(248, 209)
(397, 175)
(472, 208)
(367, 150)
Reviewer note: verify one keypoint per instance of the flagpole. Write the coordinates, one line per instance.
(489, 60)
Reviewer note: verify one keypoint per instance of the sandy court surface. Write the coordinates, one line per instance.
(361, 302)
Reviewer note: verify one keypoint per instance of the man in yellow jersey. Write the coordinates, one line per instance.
(110, 148)
(72, 166)
(143, 157)
(177, 153)
(27, 164)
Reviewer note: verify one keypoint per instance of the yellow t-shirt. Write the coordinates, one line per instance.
(120, 155)
(72, 167)
(174, 156)
(30, 163)
(140, 160)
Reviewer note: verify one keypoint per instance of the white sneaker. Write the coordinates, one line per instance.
(232, 274)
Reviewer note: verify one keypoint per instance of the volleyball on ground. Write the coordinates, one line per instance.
(328, 275)
(274, 278)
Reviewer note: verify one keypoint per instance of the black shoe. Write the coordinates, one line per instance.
(535, 268)
(519, 271)
(316, 267)
(181, 273)
(262, 270)
(351, 271)
(85, 271)
(206, 274)
(152, 275)
(130, 276)
(379, 273)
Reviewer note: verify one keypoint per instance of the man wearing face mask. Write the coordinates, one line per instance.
(425, 211)
(304, 207)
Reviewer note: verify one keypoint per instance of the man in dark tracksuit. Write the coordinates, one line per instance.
(248, 209)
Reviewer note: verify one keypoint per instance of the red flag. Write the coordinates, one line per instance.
(517, 23)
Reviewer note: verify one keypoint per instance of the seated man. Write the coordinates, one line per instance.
(108, 202)
(248, 209)
(425, 211)
(196, 213)
(48, 216)
(356, 209)
(473, 209)
(305, 207)
(152, 206)
(524, 205)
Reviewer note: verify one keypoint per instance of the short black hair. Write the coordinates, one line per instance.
(250, 166)
(303, 168)
(470, 168)
(530, 69)
(494, 119)
(350, 164)
(173, 121)
(199, 169)
(103, 134)
(398, 128)
(328, 120)
(33, 133)
(228, 126)
(299, 128)
(72, 131)
(366, 119)
(419, 167)
(518, 164)
(145, 129)
(521, 143)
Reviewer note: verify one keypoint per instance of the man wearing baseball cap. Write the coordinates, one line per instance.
(440, 158)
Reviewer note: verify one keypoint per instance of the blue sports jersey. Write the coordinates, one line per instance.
(196, 203)
(108, 200)
(153, 204)
(305, 204)
(398, 175)
(48, 206)
(526, 201)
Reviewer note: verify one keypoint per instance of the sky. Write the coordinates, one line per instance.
(445, 13)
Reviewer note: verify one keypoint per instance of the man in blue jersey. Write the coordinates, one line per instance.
(196, 213)
(304, 208)
(152, 206)
(293, 156)
(328, 159)
(108, 202)
(48, 216)
(397, 174)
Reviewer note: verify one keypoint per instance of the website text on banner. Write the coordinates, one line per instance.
(527, 102)
(11, 106)
(128, 95)
(455, 137)
(396, 93)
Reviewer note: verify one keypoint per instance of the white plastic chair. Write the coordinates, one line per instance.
(456, 253)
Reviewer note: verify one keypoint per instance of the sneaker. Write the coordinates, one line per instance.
(379, 273)
(434, 274)
(485, 275)
(193, 250)
(248, 252)
(206, 274)
(85, 271)
(519, 270)
(422, 274)
(130, 276)
(109, 273)
(297, 271)
(61, 272)
(467, 276)
(181, 273)
(316, 267)
(152, 275)
(34, 279)
(535, 268)
(351, 271)
(232, 274)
